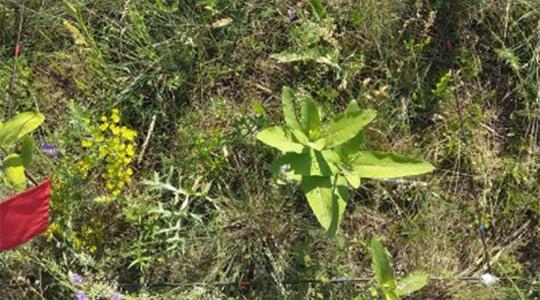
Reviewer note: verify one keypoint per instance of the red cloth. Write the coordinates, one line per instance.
(24, 216)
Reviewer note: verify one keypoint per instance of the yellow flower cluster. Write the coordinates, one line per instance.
(115, 146)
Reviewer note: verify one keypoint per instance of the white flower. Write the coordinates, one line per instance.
(489, 279)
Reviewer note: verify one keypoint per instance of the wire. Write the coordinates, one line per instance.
(472, 185)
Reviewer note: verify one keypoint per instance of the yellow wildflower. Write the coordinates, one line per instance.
(87, 143)
(129, 150)
(115, 118)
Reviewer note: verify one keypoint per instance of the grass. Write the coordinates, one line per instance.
(211, 87)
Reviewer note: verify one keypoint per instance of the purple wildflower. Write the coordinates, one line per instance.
(50, 150)
(76, 278)
(79, 295)
(291, 15)
(116, 296)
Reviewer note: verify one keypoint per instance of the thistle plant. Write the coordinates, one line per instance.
(327, 159)
(14, 132)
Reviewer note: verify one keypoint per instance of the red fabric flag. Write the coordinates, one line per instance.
(24, 216)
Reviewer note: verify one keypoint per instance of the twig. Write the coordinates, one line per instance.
(31, 178)
(14, 70)
(148, 135)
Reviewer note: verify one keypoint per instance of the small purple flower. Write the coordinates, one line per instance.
(291, 15)
(116, 296)
(79, 295)
(76, 278)
(50, 150)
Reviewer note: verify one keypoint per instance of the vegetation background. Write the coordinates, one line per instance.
(201, 206)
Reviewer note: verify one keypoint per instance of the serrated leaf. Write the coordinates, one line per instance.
(326, 201)
(19, 126)
(381, 264)
(311, 120)
(26, 150)
(313, 163)
(411, 283)
(510, 58)
(322, 55)
(375, 164)
(289, 112)
(318, 8)
(222, 22)
(347, 125)
(276, 137)
(14, 171)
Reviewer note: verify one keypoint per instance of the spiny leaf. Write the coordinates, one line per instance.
(276, 137)
(19, 126)
(375, 164)
(326, 200)
(411, 283)
(322, 55)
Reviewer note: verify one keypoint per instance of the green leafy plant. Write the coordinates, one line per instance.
(175, 216)
(327, 158)
(12, 132)
(391, 287)
(313, 40)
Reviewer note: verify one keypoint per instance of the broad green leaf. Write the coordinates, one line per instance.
(318, 8)
(19, 126)
(313, 163)
(351, 146)
(390, 294)
(300, 136)
(382, 267)
(352, 107)
(258, 108)
(318, 144)
(375, 164)
(276, 137)
(411, 283)
(287, 103)
(326, 200)
(14, 171)
(26, 150)
(352, 179)
(347, 125)
(311, 120)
